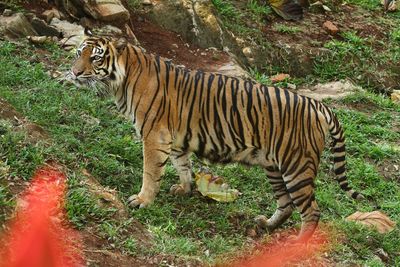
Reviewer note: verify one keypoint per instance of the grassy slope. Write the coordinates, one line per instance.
(348, 55)
(88, 133)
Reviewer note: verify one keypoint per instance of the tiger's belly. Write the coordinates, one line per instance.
(228, 153)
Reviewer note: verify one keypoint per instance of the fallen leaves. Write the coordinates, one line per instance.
(375, 219)
(280, 77)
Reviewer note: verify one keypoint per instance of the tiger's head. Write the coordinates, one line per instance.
(96, 60)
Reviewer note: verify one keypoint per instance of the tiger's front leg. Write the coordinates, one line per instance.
(156, 150)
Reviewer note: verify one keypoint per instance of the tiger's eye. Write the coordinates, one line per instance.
(97, 57)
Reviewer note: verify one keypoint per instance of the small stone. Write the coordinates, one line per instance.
(395, 96)
(330, 27)
(291, 86)
(247, 52)
(7, 12)
(51, 13)
(38, 39)
(279, 77)
(147, 3)
(175, 45)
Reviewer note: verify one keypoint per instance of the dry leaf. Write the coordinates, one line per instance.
(376, 219)
(279, 77)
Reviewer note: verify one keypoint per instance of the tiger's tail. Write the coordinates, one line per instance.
(339, 155)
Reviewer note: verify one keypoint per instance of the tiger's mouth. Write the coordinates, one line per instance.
(80, 81)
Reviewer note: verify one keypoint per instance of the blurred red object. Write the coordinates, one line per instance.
(285, 251)
(39, 235)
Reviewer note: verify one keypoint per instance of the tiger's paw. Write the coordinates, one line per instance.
(264, 223)
(179, 190)
(138, 201)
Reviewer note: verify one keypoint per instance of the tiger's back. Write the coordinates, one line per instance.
(220, 118)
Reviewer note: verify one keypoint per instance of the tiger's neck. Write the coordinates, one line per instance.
(139, 87)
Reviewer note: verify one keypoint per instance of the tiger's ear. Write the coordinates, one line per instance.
(87, 32)
(120, 44)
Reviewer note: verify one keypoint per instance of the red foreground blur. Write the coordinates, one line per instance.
(38, 235)
(284, 251)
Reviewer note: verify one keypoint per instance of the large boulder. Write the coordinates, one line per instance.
(194, 20)
(107, 10)
(16, 26)
(102, 10)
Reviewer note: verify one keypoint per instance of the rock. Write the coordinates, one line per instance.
(395, 96)
(40, 39)
(330, 27)
(51, 13)
(16, 26)
(110, 30)
(194, 20)
(247, 52)
(66, 28)
(7, 12)
(73, 33)
(280, 77)
(291, 86)
(333, 90)
(106, 10)
(43, 29)
(147, 3)
(233, 69)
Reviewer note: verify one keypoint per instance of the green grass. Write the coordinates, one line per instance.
(244, 18)
(87, 133)
(286, 29)
(354, 57)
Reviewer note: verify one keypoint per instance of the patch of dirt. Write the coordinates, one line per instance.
(34, 132)
(94, 245)
(96, 255)
(170, 45)
(367, 108)
(390, 169)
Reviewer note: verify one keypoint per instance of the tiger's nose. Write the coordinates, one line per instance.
(77, 72)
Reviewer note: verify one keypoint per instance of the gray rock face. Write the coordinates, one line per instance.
(16, 26)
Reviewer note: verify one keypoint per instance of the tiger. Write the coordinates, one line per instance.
(178, 112)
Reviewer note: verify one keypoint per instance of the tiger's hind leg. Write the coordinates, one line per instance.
(284, 202)
(301, 189)
(181, 162)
